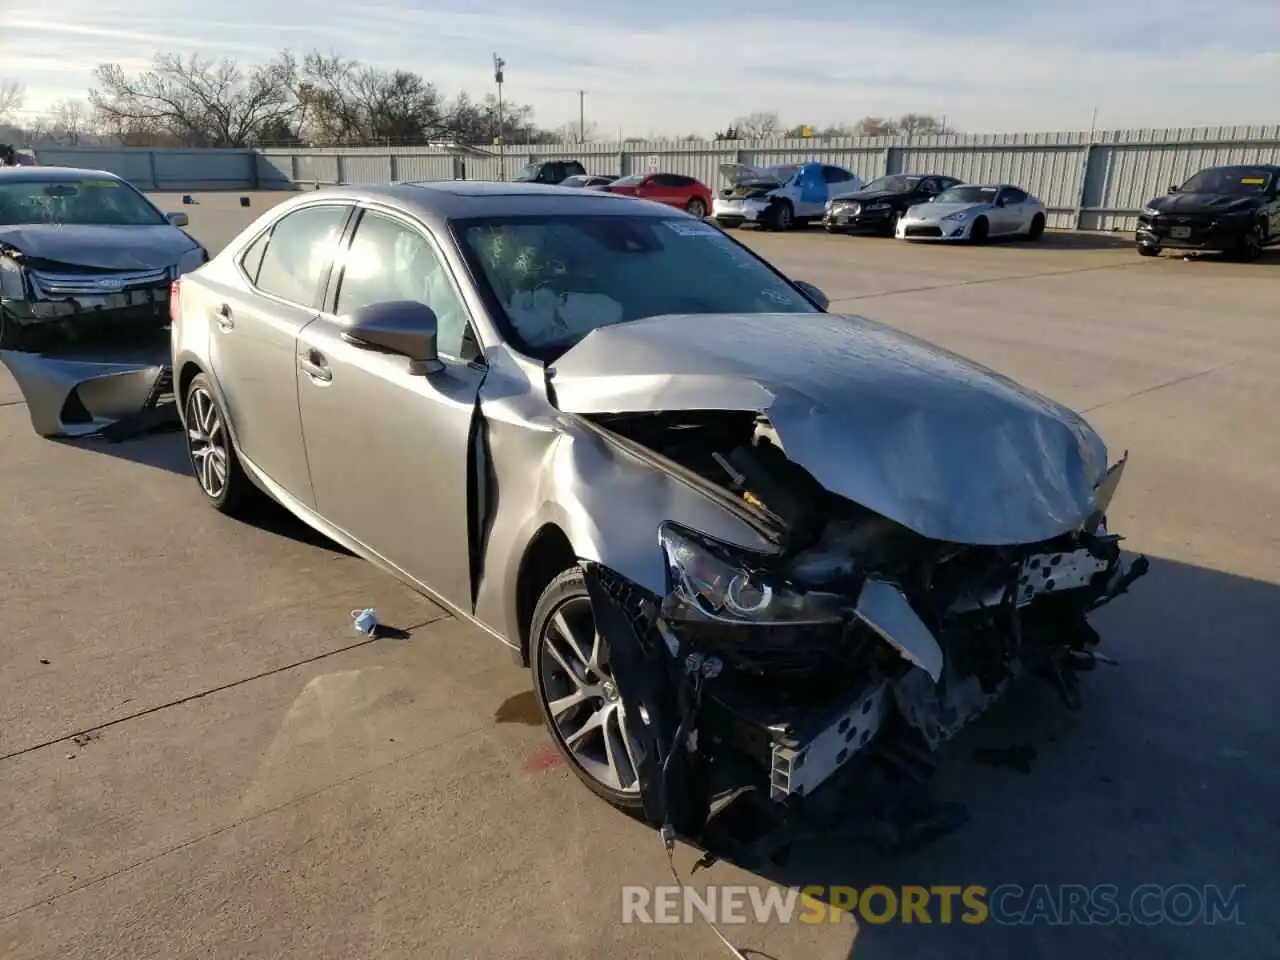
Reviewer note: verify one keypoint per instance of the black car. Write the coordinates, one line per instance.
(1233, 210)
(588, 180)
(878, 205)
(550, 171)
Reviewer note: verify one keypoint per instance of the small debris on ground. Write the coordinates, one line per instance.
(44, 661)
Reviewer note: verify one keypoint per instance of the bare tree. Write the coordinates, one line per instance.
(875, 127)
(202, 102)
(70, 121)
(12, 96)
(921, 125)
(761, 125)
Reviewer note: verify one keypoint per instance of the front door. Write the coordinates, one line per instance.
(253, 335)
(388, 448)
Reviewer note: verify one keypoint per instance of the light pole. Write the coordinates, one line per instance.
(582, 121)
(498, 64)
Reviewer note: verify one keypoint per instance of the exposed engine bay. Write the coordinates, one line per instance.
(858, 635)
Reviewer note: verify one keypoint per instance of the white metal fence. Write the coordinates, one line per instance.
(1092, 181)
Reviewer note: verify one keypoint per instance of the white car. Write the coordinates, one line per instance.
(974, 213)
(781, 196)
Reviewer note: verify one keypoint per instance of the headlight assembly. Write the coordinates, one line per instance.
(708, 581)
(192, 260)
(1150, 212)
(11, 285)
(957, 216)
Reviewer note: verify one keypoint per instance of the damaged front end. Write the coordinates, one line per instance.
(88, 346)
(857, 637)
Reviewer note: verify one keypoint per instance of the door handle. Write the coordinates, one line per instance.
(316, 371)
(224, 318)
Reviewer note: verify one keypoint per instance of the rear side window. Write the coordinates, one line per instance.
(1013, 195)
(575, 167)
(836, 175)
(300, 252)
(251, 259)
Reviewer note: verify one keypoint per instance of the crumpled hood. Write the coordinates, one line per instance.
(740, 173)
(101, 247)
(936, 211)
(929, 439)
(1204, 203)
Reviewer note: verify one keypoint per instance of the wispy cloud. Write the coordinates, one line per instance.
(674, 67)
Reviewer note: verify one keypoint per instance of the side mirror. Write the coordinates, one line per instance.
(1173, 188)
(813, 293)
(177, 219)
(404, 327)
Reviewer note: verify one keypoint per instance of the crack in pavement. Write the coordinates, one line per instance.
(212, 690)
(982, 280)
(1168, 383)
(208, 834)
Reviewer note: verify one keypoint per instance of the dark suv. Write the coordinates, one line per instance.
(1233, 210)
(550, 171)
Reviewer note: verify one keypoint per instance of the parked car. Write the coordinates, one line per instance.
(1233, 209)
(587, 180)
(878, 206)
(576, 421)
(779, 197)
(675, 190)
(971, 213)
(549, 171)
(85, 266)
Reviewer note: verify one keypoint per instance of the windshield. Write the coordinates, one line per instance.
(1241, 180)
(76, 203)
(630, 181)
(528, 172)
(551, 280)
(968, 195)
(895, 184)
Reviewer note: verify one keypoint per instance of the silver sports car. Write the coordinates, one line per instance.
(727, 530)
(85, 267)
(970, 213)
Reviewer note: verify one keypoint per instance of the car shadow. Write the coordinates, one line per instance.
(1169, 774)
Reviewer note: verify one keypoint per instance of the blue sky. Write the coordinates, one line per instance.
(671, 67)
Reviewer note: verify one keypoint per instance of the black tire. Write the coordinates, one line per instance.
(236, 495)
(978, 232)
(696, 208)
(1251, 243)
(1036, 230)
(568, 590)
(893, 224)
(783, 217)
(1147, 251)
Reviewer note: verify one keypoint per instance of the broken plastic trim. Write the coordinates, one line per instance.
(885, 609)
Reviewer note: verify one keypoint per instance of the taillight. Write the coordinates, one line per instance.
(175, 299)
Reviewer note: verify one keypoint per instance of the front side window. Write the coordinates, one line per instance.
(390, 260)
(550, 280)
(90, 202)
(299, 253)
(897, 183)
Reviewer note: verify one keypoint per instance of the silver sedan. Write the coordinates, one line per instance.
(721, 526)
(972, 214)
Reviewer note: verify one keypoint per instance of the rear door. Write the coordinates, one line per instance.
(254, 335)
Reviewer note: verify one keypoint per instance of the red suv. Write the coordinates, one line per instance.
(690, 195)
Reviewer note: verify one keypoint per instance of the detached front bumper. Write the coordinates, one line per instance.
(736, 212)
(86, 362)
(1221, 235)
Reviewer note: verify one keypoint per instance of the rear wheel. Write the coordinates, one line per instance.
(576, 693)
(696, 208)
(213, 456)
(1036, 230)
(978, 232)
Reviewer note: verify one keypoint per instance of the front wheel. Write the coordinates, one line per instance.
(577, 696)
(978, 232)
(1036, 230)
(784, 217)
(213, 456)
(1251, 243)
(1146, 251)
(696, 208)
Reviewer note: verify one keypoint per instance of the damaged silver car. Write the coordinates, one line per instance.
(730, 533)
(86, 263)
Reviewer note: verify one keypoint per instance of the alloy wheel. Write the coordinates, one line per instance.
(1252, 244)
(582, 698)
(207, 443)
(696, 208)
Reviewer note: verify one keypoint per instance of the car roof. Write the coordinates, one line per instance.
(56, 174)
(443, 200)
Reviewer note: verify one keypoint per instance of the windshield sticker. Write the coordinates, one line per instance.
(104, 184)
(1254, 181)
(692, 228)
